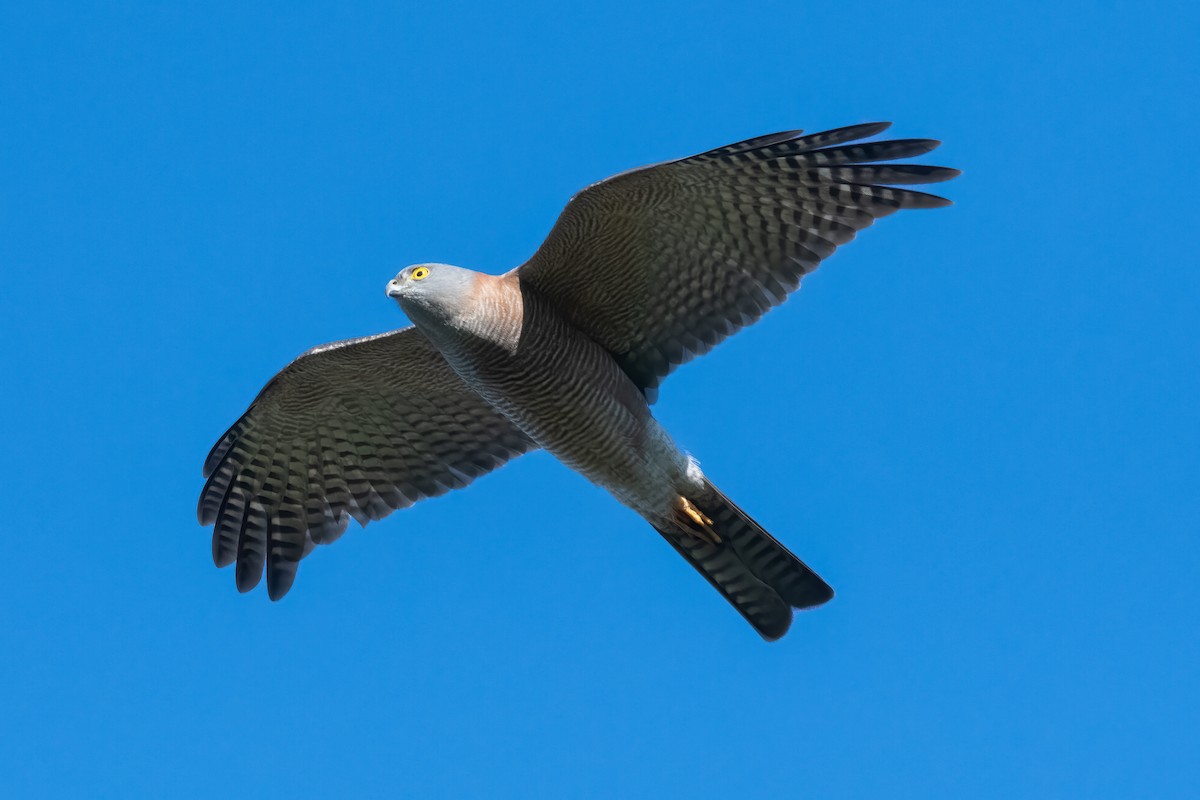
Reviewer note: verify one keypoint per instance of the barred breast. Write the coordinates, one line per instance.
(568, 394)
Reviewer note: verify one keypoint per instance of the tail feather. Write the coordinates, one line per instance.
(759, 577)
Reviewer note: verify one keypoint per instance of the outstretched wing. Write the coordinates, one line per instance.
(661, 263)
(355, 428)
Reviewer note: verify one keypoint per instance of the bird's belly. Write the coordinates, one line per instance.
(570, 396)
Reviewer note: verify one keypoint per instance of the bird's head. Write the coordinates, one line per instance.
(432, 293)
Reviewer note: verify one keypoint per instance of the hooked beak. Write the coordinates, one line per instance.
(393, 288)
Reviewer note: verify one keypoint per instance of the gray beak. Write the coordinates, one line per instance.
(393, 288)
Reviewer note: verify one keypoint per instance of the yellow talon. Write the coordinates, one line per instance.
(700, 523)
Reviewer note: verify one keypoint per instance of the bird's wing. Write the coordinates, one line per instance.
(356, 428)
(661, 263)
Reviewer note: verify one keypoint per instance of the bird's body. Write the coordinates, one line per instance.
(510, 346)
(565, 353)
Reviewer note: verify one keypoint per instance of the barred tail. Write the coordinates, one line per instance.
(759, 577)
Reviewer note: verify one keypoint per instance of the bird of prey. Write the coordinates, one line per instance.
(640, 273)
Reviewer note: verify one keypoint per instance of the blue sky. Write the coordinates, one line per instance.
(979, 424)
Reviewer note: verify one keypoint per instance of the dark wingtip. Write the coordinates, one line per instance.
(280, 583)
(915, 147)
(936, 174)
(919, 200)
(851, 133)
(222, 556)
(248, 575)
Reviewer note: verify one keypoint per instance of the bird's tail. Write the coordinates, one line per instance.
(759, 577)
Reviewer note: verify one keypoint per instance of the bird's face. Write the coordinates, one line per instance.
(431, 293)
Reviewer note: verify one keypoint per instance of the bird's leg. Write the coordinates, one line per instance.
(694, 522)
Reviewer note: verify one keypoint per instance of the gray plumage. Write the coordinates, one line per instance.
(640, 273)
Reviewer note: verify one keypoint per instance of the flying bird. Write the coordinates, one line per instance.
(566, 352)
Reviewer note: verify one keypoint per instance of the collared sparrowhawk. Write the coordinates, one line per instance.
(641, 272)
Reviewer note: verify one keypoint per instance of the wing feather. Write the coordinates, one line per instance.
(353, 429)
(661, 263)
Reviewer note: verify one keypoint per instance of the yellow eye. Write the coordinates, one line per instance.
(420, 273)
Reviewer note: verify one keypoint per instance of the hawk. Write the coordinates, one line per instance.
(640, 273)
